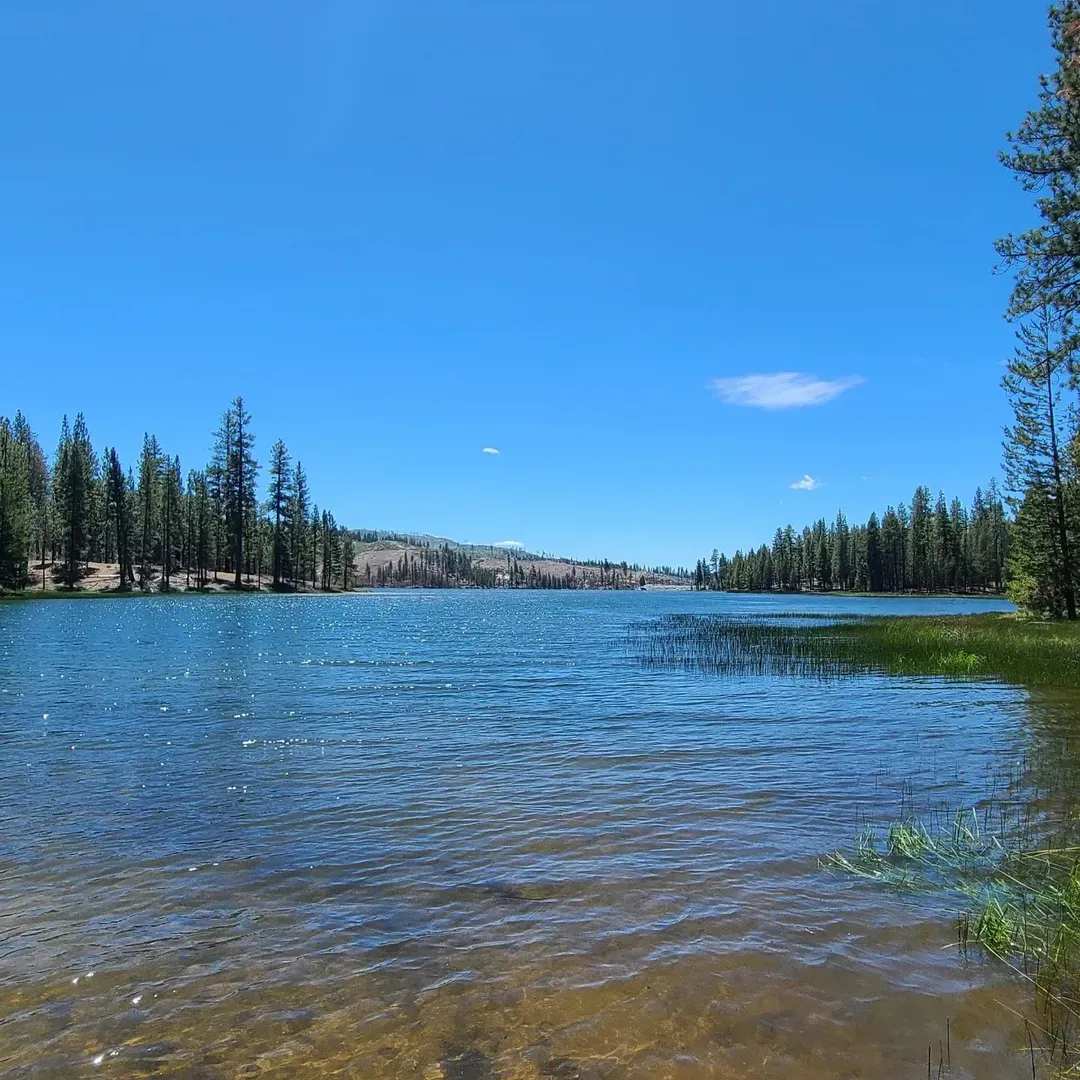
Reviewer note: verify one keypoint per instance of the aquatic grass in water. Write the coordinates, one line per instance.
(908, 841)
(958, 855)
(1000, 647)
(1021, 900)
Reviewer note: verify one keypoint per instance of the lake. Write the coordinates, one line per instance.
(468, 835)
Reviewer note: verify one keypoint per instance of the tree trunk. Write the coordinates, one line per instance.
(1059, 498)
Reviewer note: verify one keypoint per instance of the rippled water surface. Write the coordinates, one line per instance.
(465, 835)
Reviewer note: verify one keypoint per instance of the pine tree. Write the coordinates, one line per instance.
(1044, 155)
(875, 577)
(280, 507)
(98, 527)
(243, 469)
(204, 521)
(841, 563)
(860, 576)
(919, 573)
(1033, 563)
(219, 479)
(119, 507)
(961, 538)
(190, 529)
(234, 474)
(1034, 456)
(16, 508)
(331, 551)
(942, 560)
(261, 537)
(39, 483)
(348, 557)
(172, 492)
(298, 519)
(149, 492)
(822, 556)
(72, 492)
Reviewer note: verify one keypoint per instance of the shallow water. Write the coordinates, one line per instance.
(466, 835)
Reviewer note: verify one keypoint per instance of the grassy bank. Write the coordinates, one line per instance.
(962, 646)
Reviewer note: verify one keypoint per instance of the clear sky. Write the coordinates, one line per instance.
(588, 234)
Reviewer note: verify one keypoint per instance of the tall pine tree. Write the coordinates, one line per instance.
(1035, 465)
(279, 506)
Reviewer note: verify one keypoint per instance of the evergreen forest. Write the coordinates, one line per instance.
(160, 528)
(931, 546)
(151, 527)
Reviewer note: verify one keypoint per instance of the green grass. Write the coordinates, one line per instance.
(1020, 900)
(998, 647)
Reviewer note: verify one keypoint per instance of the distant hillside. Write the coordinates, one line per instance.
(392, 559)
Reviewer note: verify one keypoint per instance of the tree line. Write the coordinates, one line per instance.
(163, 529)
(927, 546)
(157, 525)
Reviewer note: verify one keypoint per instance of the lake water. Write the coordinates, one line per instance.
(467, 835)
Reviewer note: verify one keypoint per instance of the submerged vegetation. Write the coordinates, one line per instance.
(999, 647)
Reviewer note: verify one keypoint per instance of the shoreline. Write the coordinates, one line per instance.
(839, 593)
(222, 589)
(125, 594)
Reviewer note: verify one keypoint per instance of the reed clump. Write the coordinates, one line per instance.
(1020, 899)
(994, 647)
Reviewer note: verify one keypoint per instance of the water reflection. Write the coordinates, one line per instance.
(461, 835)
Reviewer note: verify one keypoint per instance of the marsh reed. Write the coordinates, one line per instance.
(992, 647)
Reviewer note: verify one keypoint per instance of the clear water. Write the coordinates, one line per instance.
(466, 835)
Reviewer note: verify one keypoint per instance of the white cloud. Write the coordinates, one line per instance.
(782, 390)
(807, 483)
(489, 450)
(509, 544)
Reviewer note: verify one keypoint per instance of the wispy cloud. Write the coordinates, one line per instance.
(807, 483)
(509, 544)
(781, 390)
(489, 450)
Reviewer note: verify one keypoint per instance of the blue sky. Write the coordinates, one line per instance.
(599, 237)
